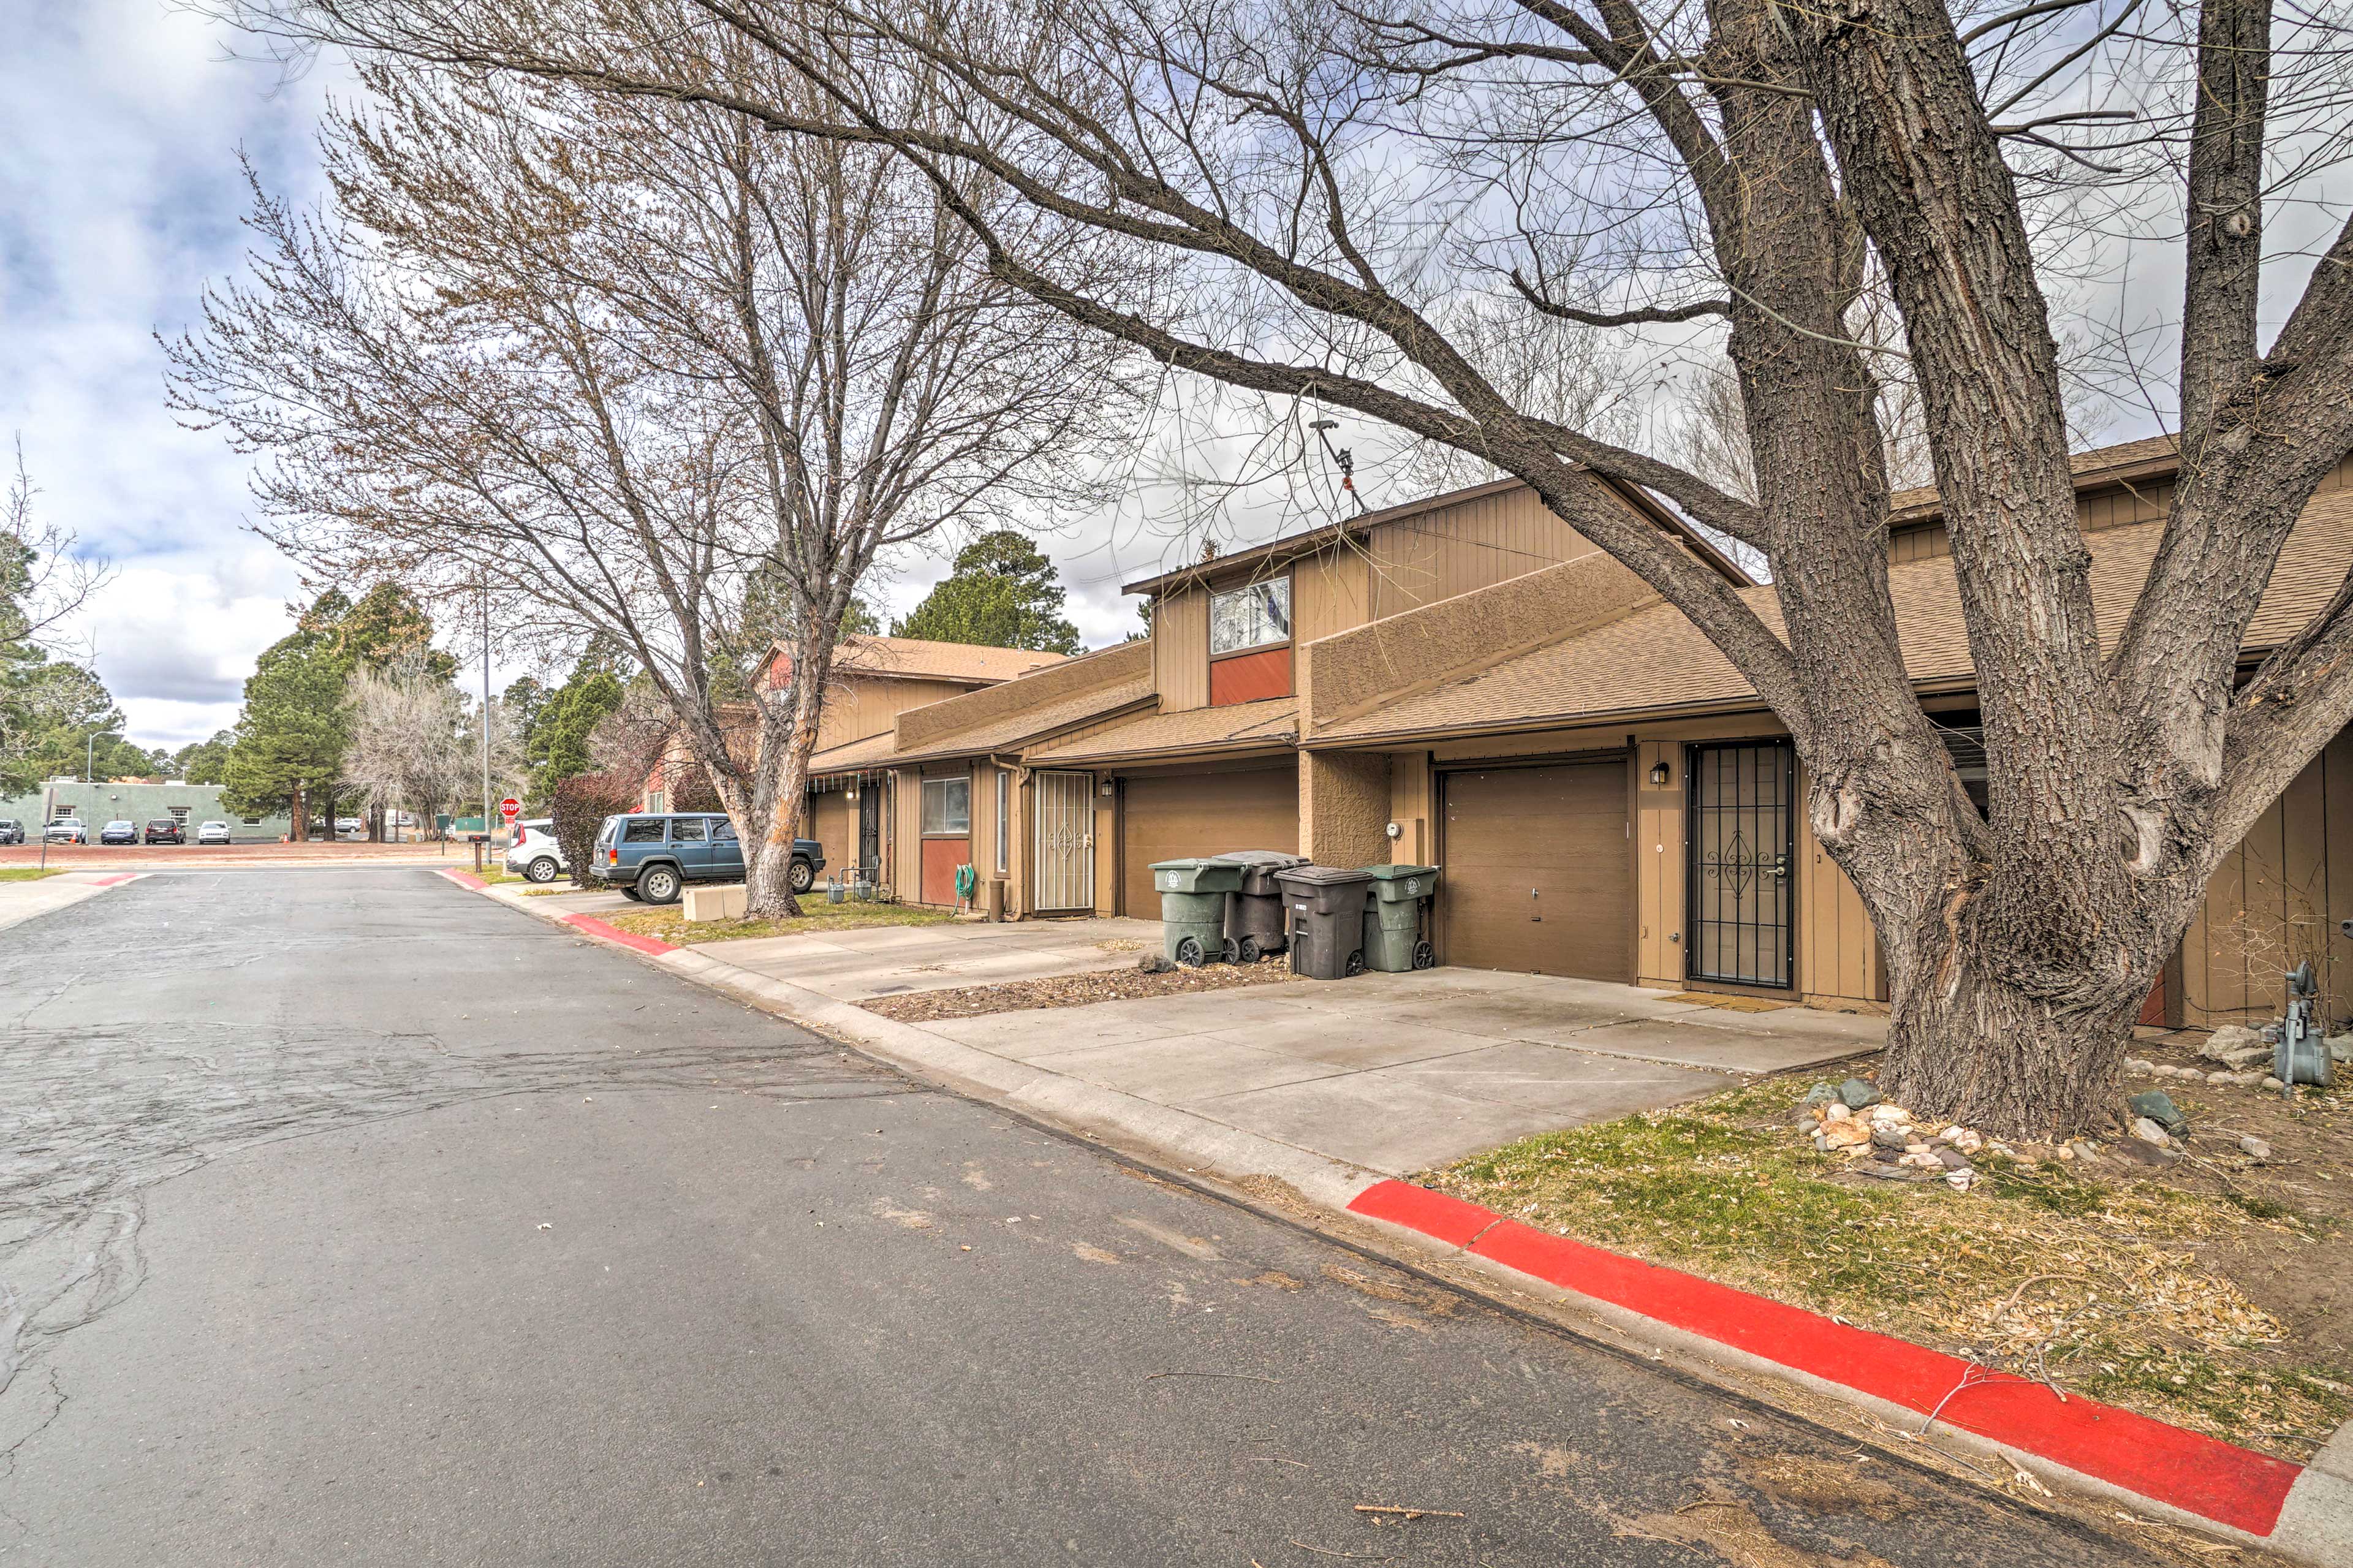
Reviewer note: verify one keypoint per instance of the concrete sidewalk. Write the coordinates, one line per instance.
(22, 901)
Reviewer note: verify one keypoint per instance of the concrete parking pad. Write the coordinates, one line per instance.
(859, 965)
(1391, 1072)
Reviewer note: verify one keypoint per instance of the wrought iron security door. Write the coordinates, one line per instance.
(1066, 841)
(1741, 845)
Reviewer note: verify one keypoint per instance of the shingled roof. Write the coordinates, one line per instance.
(1196, 731)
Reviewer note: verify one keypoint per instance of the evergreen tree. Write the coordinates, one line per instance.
(557, 741)
(1003, 594)
(201, 762)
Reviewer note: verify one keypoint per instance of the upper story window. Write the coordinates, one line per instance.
(1257, 615)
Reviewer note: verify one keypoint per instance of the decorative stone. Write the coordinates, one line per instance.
(1821, 1094)
(2142, 1153)
(2270, 1082)
(2340, 1047)
(1953, 1160)
(2148, 1131)
(1960, 1181)
(1835, 1111)
(2157, 1105)
(1857, 1094)
(2219, 1078)
(2254, 1148)
(1155, 964)
(1889, 1138)
(2139, 1065)
(1847, 1135)
(2232, 1039)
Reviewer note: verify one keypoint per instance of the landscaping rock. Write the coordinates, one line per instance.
(2148, 1131)
(1156, 964)
(2254, 1148)
(1857, 1094)
(1835, 1111)
(2340, 1047)
(2235, 1046)
(2145, 1153)
(1888, 1138)
(1960, 1181)
(1953, 1160)
(2220, 1078)
(2139, 1065)
(1849, 1133)
(2157, 1105)
(1821, 1095)
(2270, 1082)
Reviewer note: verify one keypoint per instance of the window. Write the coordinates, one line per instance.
(250, 821)
(1003, 819)
(722, 830)
(643, 831)
(688, 830)
(1249, 617)
(947, 807)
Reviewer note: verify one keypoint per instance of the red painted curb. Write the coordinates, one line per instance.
(612, 933)
(2187, 1471)
(115, 881)
(464, 879)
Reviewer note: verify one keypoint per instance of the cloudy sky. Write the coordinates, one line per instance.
(121, 196)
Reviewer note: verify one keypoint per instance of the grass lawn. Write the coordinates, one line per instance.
(667, 923)
(30, 873)
(2187, 1292)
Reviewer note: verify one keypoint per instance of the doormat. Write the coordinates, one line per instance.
(1730, 1003)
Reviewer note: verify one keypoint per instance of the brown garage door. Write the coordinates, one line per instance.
(1538, 874)
(1173, 814)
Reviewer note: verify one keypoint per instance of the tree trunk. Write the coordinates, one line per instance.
(768, 894)
(298, 830)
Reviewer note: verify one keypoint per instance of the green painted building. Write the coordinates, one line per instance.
(102, 803)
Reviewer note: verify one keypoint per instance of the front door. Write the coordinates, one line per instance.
(869, 829)
(1066, 841)
(1742, 847)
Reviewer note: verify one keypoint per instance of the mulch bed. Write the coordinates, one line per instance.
(1074, 991)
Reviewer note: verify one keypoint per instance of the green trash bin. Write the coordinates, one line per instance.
(1193, 908)
(1393, 910)
(1325, 905)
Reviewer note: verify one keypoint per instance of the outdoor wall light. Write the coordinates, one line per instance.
(1659, 773)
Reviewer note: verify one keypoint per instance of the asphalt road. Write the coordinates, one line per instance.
(348, 1218)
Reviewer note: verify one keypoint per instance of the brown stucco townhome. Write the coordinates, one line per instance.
(1465, 681)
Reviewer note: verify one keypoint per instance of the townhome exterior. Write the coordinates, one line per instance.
(874, 680)
(1466, 682)
(1188, 743)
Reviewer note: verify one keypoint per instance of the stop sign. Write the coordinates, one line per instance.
(510, 808)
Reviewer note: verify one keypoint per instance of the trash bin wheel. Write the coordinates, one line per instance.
(1244, 951)
(1424, 955)
(1233, 950)
(1356, 962)
(1189, 952)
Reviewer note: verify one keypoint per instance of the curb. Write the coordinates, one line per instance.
(2306, 1512)
(2185, 1478)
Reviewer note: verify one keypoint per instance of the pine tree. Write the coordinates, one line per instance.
(1003, 594)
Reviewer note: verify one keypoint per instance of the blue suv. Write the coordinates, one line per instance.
(652, 858)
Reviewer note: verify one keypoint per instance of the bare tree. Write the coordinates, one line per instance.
(678, 379)
(408, 746)
(1630, 167)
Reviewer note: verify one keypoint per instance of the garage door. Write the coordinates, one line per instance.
(1537, 877)
(1173, 814)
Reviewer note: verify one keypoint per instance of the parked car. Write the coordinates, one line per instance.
(11, 830)
(536, 854)
(651, 859)
(350, 828)
(212, 833)
(165, 830)
(119, 833)
(66, 830)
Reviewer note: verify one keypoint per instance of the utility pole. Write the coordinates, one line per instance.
(486, 709)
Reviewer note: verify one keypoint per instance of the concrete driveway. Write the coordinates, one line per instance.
(1397, 1073)
(892, 961)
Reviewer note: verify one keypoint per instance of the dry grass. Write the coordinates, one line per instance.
(2102, 1275)
(30, 873)
(668, 922)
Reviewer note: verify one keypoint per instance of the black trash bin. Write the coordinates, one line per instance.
(1254, 923)
(1327, 905)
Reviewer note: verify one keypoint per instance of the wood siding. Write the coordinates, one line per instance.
(859, 706)
(2275, 901)
(1181, 650)
(1330, 592)
(1453, 550)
